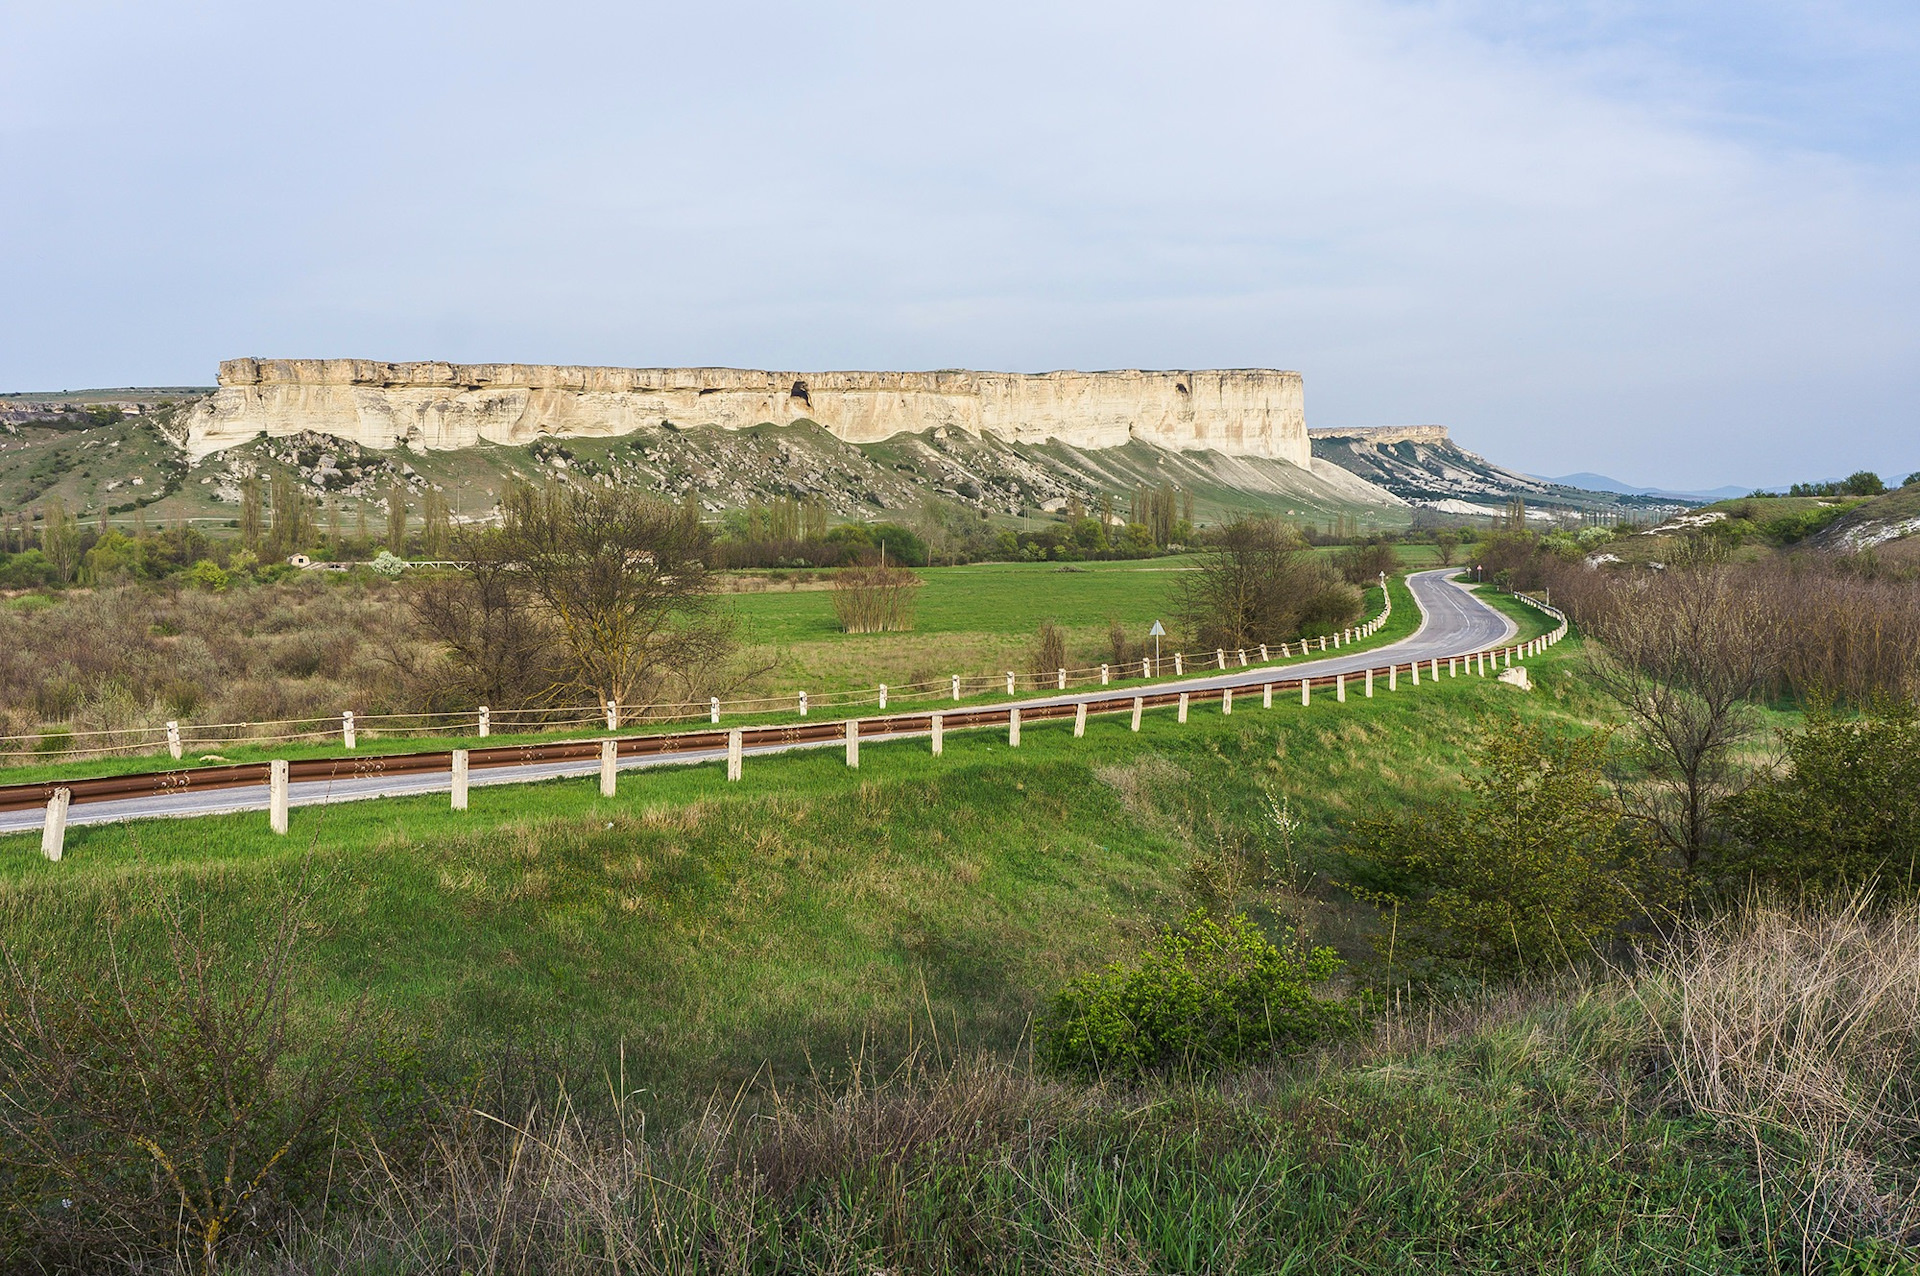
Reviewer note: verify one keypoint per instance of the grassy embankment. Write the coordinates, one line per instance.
(718, 927)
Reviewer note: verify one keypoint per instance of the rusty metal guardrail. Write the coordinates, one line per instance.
(175, 782)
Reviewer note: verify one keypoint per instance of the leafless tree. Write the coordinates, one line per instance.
(1260, 585)
(1684, 653)
(623, 578)
(500, 651)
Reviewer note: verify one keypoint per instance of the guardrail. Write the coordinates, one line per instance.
(177, 737)
(278, 775)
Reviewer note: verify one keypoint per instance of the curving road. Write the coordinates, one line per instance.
(1453, 622)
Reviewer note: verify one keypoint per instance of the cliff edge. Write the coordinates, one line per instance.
(1252, 412)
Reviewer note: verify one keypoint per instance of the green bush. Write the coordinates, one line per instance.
(1209, 994)
(1531, 867)
(1788, 528)
(1844, 811)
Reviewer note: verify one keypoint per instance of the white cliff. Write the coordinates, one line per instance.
(1252, 412)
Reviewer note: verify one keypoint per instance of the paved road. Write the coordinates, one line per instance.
(1453, 622)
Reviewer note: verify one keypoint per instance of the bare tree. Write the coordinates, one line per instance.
(500, 651)
(397, 518)
(623, 577)
(1259, 585)
(1683, 653)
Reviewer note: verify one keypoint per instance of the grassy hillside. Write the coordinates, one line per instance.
(791, 1017)
(93, 467)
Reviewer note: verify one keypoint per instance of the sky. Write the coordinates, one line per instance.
(1670, 242)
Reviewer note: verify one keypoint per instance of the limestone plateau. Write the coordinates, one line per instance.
(1249, 412)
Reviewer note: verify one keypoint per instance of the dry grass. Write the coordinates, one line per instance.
(1797, 1028)
(134, 657)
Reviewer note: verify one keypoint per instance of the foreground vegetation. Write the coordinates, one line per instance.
(788, 1025)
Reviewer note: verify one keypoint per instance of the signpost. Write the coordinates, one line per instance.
(1156, 633)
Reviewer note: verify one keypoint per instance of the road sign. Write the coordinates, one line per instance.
(1157, 631)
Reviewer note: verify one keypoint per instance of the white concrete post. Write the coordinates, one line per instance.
(1063, 680)
(853, 743)
(1453, 666)
(53, 835)
(1369, 684)
(1433, 669)
(1509, 657)
(486, 722)
(939, 734)
(734, 750)
(1103, 675)
(613, 715)
(1183, 706)
(173, 739)
(1146, 668)
(956, 686)
(277, 795)
(1323, 642)
(1306, 691)
(1009, 682)
(803, 704)
(459, 779)
(1415, 666)
(1393, 677)
(1178, 669)
(1263, 653)
(1079, 719)
(1266, 696)
(1013, 727)
(1139, 704)
(1226, 701)
(1284, 653)
(883, 695)
(1219, 657)
(609, 765)
(347, 736)
(1336, 642)
(1340, 688)
(1243, 657)
(713, 709)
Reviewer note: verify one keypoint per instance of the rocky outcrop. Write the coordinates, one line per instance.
(1252, 412)
(1381, 435)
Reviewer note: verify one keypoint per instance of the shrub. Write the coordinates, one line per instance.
(1049, 651)
(1845, 809)
(166, 1102)
(1363, 564)
(871, 600)
(1530, 868)
(1209, 994)
(209, 575)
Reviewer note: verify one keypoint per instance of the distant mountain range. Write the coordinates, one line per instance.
(1601, 483)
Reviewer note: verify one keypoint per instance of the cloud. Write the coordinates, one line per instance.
(1576, 235)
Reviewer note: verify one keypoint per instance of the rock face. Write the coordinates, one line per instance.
(1382, 435)
(1253, 412)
